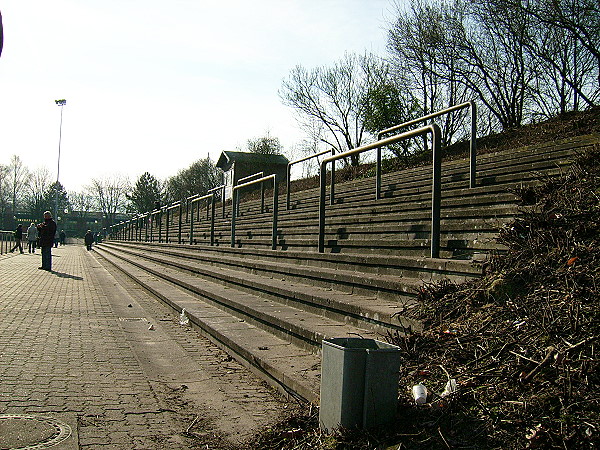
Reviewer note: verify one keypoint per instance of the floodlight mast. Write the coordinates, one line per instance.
(62, 102)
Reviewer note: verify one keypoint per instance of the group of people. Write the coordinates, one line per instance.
(44, 235)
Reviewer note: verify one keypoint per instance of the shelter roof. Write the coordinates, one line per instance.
(227, 159)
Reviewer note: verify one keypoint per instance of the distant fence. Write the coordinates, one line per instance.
(7, 241)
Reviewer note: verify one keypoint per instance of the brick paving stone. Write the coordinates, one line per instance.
(62, 349)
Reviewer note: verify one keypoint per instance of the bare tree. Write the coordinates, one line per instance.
(82, 204)
(110, 195)
(564, 38)
(36, 192)
(488, 48)
(579, 18)
(416, 42)
(18, 177)
(334, 97)
(4, 196)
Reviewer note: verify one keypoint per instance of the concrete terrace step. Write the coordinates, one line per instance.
(421, 268)
(339, 297)
(278, 361)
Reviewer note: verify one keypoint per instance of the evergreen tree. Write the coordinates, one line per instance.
(147, 192)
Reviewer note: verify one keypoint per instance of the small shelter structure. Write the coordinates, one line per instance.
(238, 165)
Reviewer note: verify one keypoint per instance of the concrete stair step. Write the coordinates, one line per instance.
(365, 311)
(422, 268)
(276, 360)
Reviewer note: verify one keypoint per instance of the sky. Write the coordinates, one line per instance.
(152, 86)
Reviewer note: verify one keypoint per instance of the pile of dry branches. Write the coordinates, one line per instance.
(520, 342)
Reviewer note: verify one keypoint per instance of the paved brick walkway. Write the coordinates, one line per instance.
(75, 343)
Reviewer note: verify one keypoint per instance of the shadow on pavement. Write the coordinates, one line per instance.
(66, 275)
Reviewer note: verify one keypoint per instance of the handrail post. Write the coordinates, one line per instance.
(378, 175)
(167, 225)
(191, 206)
(332, 187)
(235, 202)
(212, 220)
(275, 211)
(436, 181)
(323, 191)
(473, 145)
(289, 173)
(179, 231)
(233, 215)
(436, 191)
(223, 200)
(160, 214)
(262, 197)
(288, 186)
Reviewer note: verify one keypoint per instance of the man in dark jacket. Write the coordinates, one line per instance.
(18, 238)
(89, 239)
(47, 230)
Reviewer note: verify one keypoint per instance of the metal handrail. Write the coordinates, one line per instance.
(187, 206)
(167, 210)
(222, 188)
(6, 238)
(262, 190)
(249, 177)
(289, 172)
(436, 181)
(235, 193)
(153, 213)
(212, 221)
(472, 147)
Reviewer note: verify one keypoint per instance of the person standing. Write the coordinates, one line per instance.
(63, 237)
(18, 238)
(89, 239)
(32, 235)
(47, 230)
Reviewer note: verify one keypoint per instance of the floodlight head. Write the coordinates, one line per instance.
(61, 102)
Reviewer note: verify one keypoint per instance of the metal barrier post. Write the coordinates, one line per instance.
(212, 220)
(191, 206)
(236, 190)
(436, 180)
(222, 189)
(198, 199)
(160, 225)
(179, 231)
(167, 226)
(275, 212)
(233, 215)
(472, 146)
(289, 174)
(246, 179)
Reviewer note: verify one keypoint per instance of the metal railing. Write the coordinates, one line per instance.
(167, 210)
(472, 148)
(262, 190)
(222, 189)
(236, 190)
(289, 173)
(188, 202)
(436, 180)
(7, 238)
(212, 219)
